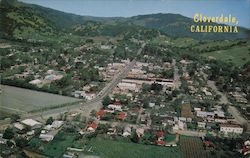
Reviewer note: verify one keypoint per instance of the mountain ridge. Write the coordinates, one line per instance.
(20, 16)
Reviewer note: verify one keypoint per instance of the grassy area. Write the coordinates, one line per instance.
(58, 146)
(237, 55)
(170, 137)
(115, 149)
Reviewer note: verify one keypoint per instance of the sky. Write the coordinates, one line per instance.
(127, 8)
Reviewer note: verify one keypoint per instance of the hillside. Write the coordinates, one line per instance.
(177, 25)
(21, 19)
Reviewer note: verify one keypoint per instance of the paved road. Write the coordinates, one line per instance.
(177, 82)
(238, 117)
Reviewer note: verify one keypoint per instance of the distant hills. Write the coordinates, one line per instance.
(21, 18)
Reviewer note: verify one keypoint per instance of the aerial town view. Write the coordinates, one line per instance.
(124, 79)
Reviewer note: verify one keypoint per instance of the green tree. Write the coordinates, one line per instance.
(8, 133)
(14, 118)
(21, 142)
(106, 101)
(49, 121)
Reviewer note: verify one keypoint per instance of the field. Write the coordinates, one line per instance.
(192, 147)
(18, 100)
(237, 55)
(115, 149)
(58, 146)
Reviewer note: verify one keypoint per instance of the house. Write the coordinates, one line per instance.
(100, 113)
(160, 142)
(140, 132)
(115, 106)
(245, 151)
(151, 105)
(57, 124)
(231, 128)
(127, 131)
(19, 126)
(160, 134)
(201, 124)
(247, 143)
(92, 127)
(121, 115)
(35, 82)
(205, 114)
(33, 124)
(46, 137)
(111, 131)
(127, 86)
(30, 133)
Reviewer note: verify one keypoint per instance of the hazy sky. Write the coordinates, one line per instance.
(126, 8)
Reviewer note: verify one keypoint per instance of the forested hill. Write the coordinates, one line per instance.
(21, 18)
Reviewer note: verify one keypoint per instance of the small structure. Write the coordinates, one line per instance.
(46, 137)
(92, 127)
(140, 132)
(121, 115)
(126, 131)
(19, 126)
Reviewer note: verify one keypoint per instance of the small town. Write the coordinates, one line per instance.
(111, 88)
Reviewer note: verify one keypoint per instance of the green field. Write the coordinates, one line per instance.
(115, 149)
(237, 55)
(192, 147)
(58, 146)
(18, 100)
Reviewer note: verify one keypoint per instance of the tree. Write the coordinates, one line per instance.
(146, 88)
(156, 87)
(21, 142)
(8, 133)
(49, 121)
(14, 118)
(134, 137)
(106, 101)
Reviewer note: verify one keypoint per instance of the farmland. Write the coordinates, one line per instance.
(192, 147)
(18, 100)
(114, 149)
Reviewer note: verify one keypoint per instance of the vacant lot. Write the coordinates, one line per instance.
(237, 55)
(192, 147)
(18, 100)
(115, 149)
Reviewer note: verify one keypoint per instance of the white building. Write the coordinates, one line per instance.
(205, 114)
(127, 86)
(201, 124)
(115, 107)
(31, 123)
(19, 126)
(46, 137)
(231, 128)
(127, 131)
